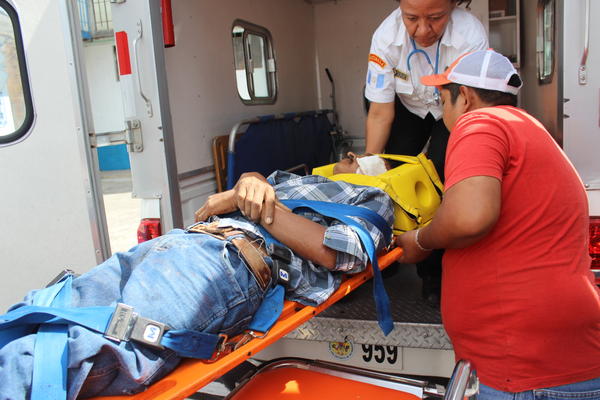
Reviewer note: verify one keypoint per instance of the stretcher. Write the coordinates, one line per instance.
(191, 375)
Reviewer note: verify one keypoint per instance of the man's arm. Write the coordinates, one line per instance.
(379, 125)
(303, 236)
(468, 212)
(255, 198)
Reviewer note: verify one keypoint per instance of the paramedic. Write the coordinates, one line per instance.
(518, 297)
(203, 282)
(419, 38)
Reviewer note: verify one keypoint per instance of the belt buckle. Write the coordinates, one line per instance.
(126, 325)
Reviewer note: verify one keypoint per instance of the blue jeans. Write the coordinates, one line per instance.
(186, 280)
(586, 390)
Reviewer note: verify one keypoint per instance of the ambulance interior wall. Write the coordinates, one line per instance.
(200, 69)
(201, 77)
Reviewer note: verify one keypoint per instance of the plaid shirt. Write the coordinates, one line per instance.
(309, 283)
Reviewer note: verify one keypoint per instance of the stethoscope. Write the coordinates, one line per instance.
(436, 93)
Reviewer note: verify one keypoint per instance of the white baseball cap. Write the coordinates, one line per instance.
(483, 69)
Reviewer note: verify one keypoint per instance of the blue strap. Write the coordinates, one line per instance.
(191, 344)
(342, 212)
(269, 310)
(200, 345)
(51, 350)
(336, 210)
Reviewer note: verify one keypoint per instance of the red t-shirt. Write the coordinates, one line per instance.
(521, 303)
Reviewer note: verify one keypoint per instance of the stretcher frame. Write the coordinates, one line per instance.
(191, 375)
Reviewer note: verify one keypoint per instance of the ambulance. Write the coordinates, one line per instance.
(157, 81)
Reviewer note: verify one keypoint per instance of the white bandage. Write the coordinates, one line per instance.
(370, 165)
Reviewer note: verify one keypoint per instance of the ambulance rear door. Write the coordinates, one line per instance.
(581, 97)
(140, 53)
(51, 216)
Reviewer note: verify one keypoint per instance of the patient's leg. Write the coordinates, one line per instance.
(188, 281)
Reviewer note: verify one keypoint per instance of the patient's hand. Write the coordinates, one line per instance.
(218, 203)
(255, 197)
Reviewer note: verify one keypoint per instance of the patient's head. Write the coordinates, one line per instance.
(366, 164)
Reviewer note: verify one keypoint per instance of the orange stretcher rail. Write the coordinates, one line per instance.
(191, 375)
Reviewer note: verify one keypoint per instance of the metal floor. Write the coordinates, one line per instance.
(403, 287)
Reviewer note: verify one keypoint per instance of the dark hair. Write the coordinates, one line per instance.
(492, 97)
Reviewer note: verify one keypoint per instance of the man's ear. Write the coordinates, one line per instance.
(470, 99)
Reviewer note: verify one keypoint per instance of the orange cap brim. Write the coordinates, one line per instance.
(435, 80)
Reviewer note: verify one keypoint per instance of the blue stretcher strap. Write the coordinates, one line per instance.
(342, 212)
(51, 350)
(269, 310)
(199, 344)
(191, 344)
(51, 354)
(267, 313)
(335, 210)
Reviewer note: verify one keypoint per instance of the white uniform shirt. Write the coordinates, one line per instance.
(388, 72)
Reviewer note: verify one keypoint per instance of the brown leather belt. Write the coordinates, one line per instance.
(251, 251)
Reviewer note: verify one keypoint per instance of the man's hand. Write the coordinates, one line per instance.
(218, 203)
(255, 197)
(411, 252)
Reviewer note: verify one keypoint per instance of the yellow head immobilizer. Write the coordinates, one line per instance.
(414, 186)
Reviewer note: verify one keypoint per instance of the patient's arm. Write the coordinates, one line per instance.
(256, 199)
(252, 195)
(303, 236)
(216, 204)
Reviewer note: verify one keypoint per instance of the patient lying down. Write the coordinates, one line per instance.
(199, 279)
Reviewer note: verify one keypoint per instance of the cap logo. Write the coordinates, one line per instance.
(377, 60)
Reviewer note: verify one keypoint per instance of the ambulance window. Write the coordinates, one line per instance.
(545, 40)
(16, 109)
(254, 63)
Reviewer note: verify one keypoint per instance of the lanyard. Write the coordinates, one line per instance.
(436, 95)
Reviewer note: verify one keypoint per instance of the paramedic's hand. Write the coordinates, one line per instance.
(255, 197)
(411, 252)
(216, 204)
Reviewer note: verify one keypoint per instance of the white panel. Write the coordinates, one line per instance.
(105, 93)
(581, 130)
(194, 192)
(427, 362)
(202, 88)
(45, 187)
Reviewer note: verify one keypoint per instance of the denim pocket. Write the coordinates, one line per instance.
(542, 394)
(586, 390)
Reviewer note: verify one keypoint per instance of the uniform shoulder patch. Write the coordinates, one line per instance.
(377, 60)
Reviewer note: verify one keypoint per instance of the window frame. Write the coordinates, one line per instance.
(25, 127)
(542, 40)
(269, 55)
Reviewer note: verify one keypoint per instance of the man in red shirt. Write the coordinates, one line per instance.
(518, 297)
